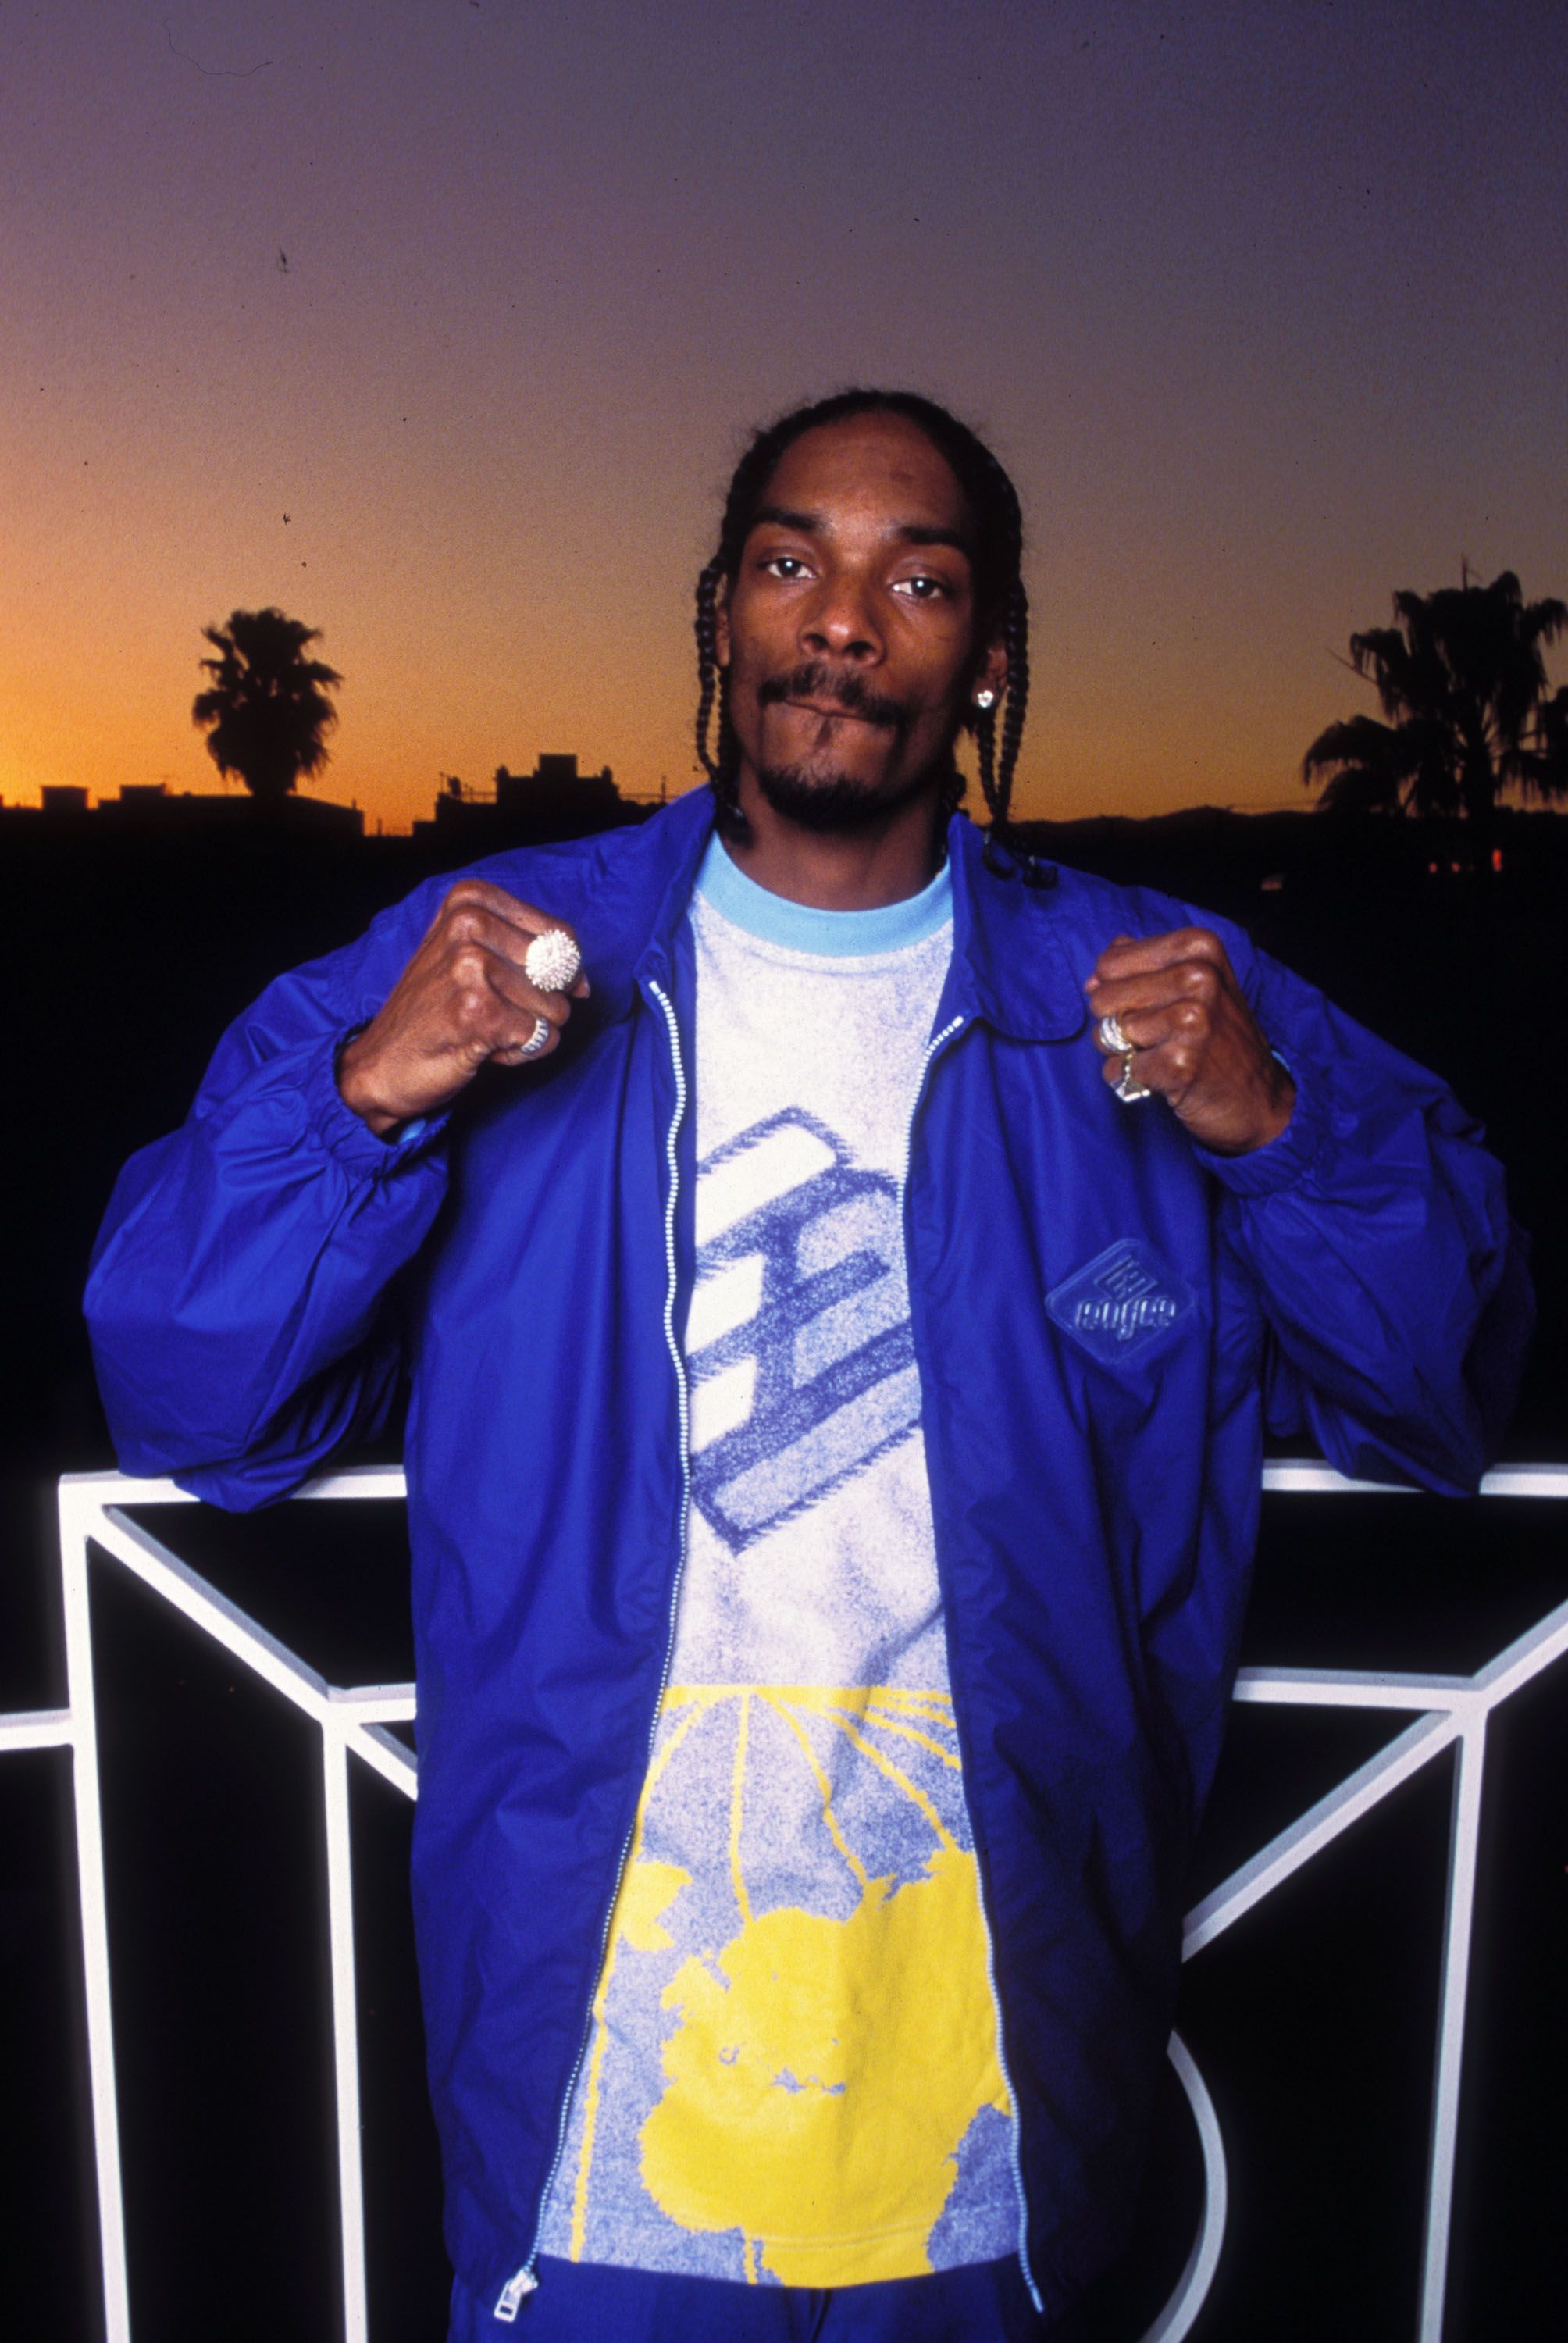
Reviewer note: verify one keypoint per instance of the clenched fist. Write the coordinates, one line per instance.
(1194, 1040)
(463, 1000)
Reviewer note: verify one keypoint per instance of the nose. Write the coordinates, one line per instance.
(839, 622)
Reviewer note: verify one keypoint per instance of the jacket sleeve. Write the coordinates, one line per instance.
(240, 1296)
(1395, 1283)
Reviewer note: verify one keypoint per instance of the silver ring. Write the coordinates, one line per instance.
(552, 961)
(1129, 1089)
(1110, 1037)
(537, 1039)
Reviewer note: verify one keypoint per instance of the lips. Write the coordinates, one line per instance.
(833, 708)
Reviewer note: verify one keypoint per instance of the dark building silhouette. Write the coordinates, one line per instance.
(554, 802)
(150, 806)
(151, 809)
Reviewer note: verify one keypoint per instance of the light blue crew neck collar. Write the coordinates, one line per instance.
(801, 927)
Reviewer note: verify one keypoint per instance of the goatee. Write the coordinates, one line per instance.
(813, 800)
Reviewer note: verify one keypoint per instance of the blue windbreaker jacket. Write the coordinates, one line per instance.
(268, 1274)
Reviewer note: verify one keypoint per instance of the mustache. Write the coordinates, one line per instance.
(815, 679)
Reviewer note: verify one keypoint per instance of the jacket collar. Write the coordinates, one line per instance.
(1009, 965)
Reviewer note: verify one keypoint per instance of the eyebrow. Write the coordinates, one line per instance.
(909, 532)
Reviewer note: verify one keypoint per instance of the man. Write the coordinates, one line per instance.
(840, 1325)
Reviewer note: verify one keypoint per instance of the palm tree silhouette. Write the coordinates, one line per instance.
(1461, 682)
(267, 710)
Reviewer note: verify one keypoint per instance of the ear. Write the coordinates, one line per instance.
(721, 622)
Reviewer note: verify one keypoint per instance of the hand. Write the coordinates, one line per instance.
(463, 1000)
(1196, 1042)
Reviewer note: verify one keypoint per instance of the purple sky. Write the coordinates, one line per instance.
(1265, 306)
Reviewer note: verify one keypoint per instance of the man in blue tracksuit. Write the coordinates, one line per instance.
(838, 1321)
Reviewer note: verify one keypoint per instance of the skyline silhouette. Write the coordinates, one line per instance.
(1472, 723)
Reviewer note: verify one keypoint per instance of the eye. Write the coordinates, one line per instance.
(922, 588)
(783, 564)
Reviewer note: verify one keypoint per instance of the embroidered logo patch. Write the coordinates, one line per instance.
(1125, 1300)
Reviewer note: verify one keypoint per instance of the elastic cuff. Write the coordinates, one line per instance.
(1282, 1161)
(346, 1135)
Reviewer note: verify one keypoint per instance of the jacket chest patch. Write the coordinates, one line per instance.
(1125, 1300)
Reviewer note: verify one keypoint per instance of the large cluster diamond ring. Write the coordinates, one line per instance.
(552, 961)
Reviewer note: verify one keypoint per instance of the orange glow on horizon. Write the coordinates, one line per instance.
(434, 334)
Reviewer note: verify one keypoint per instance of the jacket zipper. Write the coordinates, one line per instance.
(525, 2280)
(934, 1048)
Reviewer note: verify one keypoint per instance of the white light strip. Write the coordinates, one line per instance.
(1314, 1830)
(386, 1756)
(1181, 2312)
(1458, 1929)
(36, 1728)
(388, 1480)
(344, 2035)
(1352, 1688)
(187, 1592)
(1297, 1475)
(1304, 1479)
(1300, 1476)
(74, 1518)
(376, 1704)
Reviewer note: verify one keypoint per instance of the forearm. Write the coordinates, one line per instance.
(1391, 1277)
(236, 1292)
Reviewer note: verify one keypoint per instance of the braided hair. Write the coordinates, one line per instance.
(1001, 602)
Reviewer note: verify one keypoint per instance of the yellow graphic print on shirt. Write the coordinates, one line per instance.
(821, 2069)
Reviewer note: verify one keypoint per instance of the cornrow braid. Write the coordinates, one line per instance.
(997, 771)
(719, 763)
(1000, 601)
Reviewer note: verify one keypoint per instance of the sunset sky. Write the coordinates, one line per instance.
(441, 321)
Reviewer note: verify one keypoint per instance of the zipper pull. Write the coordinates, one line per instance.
(513, 2292)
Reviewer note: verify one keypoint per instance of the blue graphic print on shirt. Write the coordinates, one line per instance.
(835, 1379)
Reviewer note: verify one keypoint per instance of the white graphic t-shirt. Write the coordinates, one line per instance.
(793, 2074)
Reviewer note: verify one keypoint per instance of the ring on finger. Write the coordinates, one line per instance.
(553, 961)
(1110, 1037)
(1128, 1089)
(537, 1039)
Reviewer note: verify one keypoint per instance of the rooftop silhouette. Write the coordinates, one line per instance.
(555, 801)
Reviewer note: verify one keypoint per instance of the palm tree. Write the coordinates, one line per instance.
(267, 710)
(1461, 682)
(1545, 773)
